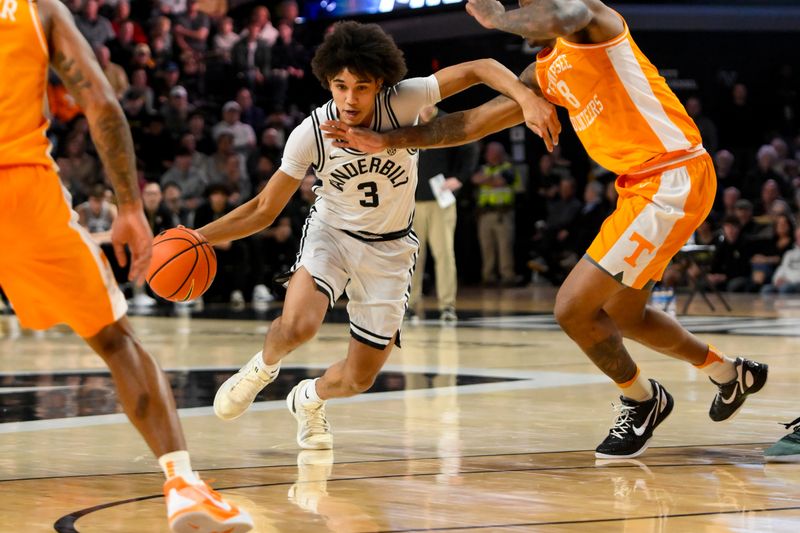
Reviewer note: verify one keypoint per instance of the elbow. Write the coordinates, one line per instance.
(572, 19)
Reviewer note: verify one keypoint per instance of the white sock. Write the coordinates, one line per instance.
(308, 394)
(265, 371)
(637, 389)
(718, 366)
(178, 464)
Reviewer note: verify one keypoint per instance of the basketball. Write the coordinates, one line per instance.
(183, 265)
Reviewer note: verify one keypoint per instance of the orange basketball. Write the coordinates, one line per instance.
(183, 265)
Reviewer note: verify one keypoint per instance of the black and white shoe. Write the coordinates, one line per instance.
(750, 378)
(635, 423)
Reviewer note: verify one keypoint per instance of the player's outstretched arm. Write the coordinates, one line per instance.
(75, 63)
(255, 215)
(457, 128)
(538, 20)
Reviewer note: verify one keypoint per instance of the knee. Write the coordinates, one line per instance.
(113, 340)
(567, 312)
(356, 384)
(298, 330)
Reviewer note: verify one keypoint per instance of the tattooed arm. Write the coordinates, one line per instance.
(457, 128)
(75, 63)
(583, 21)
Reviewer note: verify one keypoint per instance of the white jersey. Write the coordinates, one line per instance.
(371, 194)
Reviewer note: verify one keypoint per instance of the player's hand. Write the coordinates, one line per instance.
(542, 119)
(486, 12)
(361, 139)
(131, 228)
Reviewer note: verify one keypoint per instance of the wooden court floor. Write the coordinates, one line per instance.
(488, 426)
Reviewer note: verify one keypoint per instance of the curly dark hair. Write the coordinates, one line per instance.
(363, 49)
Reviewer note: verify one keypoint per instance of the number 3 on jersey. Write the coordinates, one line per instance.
(370, 189)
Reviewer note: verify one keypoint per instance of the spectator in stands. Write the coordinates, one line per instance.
(261, 23)
(142, 58)
(739, 140)
(770, 193)
(79, 171)
(203, 140)
(496, 183)
(156, 147)
(730, 264)
(251, 58)
(139, 82)
(97, 214)
(786, 279)
(165, 80)
(232, 261)
(157, 214)
(191, 182)
(171, 7)
(244, 138)
(162, 30)
(122, 46)
(191, 29)
(95, 28)
(726, 176)
(199, 159)
(730, 196)
(768, 252)
(250, 114)
(591, 217)
(766, 159)
(122, 14)
(176, 111)
(708, 130)
(173, 200)
(435, 225)
(749, 229)
(218, 161)
(288, 54)
(115, 74)
(225, 39)
(133, 104)
(555, 240)
(236, 182)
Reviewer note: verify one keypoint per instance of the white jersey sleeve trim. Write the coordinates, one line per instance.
(303, 149)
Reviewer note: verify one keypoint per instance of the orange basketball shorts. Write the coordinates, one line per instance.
(50, 268)
(656, 214)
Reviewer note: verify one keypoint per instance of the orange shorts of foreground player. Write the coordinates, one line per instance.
(49, 265)
(658, 210)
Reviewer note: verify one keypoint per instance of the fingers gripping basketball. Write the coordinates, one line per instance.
(183, 265)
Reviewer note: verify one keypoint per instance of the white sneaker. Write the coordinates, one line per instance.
(261, 294)
(142, 300)
(238, 392)
(313, 430)
(237, 300)
(314, 468)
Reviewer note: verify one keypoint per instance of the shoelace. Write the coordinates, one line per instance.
(795, 422)
(315, 419)
(622, 424)
(252, 378)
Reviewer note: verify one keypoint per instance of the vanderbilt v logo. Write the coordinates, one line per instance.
(642, 245)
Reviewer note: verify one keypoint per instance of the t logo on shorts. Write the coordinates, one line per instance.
(643, 244)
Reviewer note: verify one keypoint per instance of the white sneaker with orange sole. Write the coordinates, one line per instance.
(197, 508)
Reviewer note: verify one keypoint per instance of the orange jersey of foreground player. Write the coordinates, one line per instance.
(622, 110)
(24, 61)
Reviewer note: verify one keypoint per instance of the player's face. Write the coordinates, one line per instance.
(354, 96)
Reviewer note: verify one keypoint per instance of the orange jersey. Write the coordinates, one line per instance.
(622, 110)
(24, 61)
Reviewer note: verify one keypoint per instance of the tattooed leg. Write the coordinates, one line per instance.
(579, 311)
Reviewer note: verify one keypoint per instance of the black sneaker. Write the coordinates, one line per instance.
(750, 378)
(635, 424)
